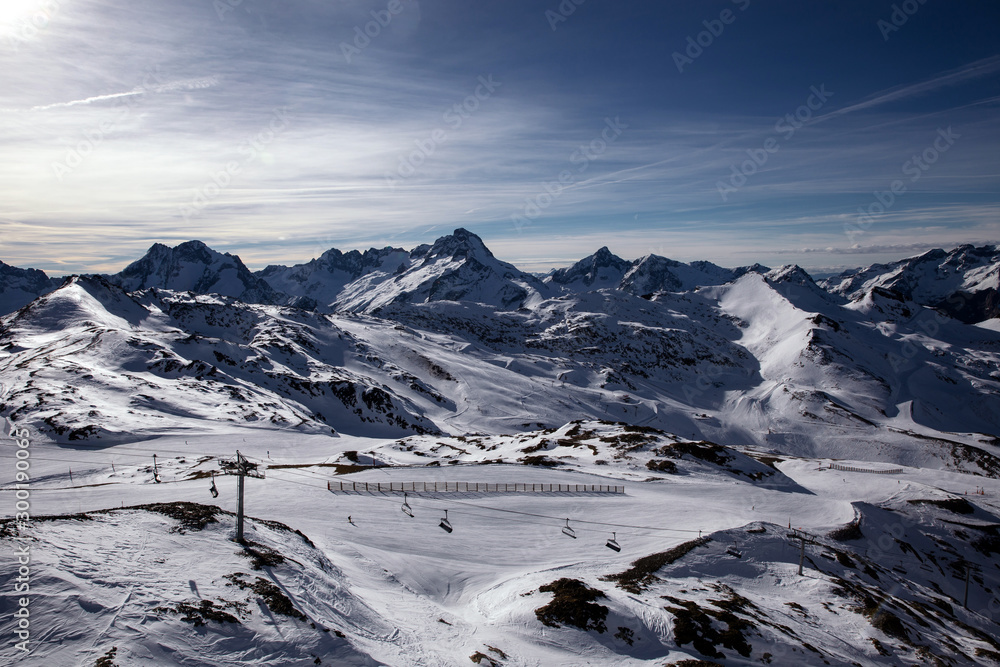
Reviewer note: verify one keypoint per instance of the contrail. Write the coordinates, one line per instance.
(979, 68)
(187, 84)
(88, 100)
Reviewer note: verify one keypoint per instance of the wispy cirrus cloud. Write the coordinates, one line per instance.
(153, 144)
(976, 70)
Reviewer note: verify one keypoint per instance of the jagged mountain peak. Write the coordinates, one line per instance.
(602, 269)
(194, 267)
(459, 244)
(963, 281)
(353, 263)
(654, 273)
(34, 275)
(18, 287)
(605, 256)
(457, 267)
(320, 282)
(756, 267)
(790, 273)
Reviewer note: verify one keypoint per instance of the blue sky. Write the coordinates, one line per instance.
(736, 131)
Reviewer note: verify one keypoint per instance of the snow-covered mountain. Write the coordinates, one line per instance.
(19, 287)
(457, 267)
(768, 360)
(117, 364)
(601, 270)
(321, 281)
(194, 267)
(963, 282)
(717, 426)
(644, 276)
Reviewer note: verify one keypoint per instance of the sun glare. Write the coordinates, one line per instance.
(25, 17)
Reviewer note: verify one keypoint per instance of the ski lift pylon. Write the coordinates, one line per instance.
(569, 531)
(407, 510)
(445, 525)
(213, 489)
(613, 543)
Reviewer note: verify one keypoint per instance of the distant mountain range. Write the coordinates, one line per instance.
(962, 283)
(879, 364)
(19, 287)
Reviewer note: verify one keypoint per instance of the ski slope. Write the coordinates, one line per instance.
(402, 591)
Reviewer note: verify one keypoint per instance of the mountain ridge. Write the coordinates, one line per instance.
(962, 283)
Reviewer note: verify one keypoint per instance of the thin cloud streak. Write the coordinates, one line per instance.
(324, 177)
(971, 71)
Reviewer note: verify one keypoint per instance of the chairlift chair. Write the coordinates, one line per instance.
(407, 510)
(613, 543)
(733, 551)
(213, 489)
(568, 531)
(445, 525)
